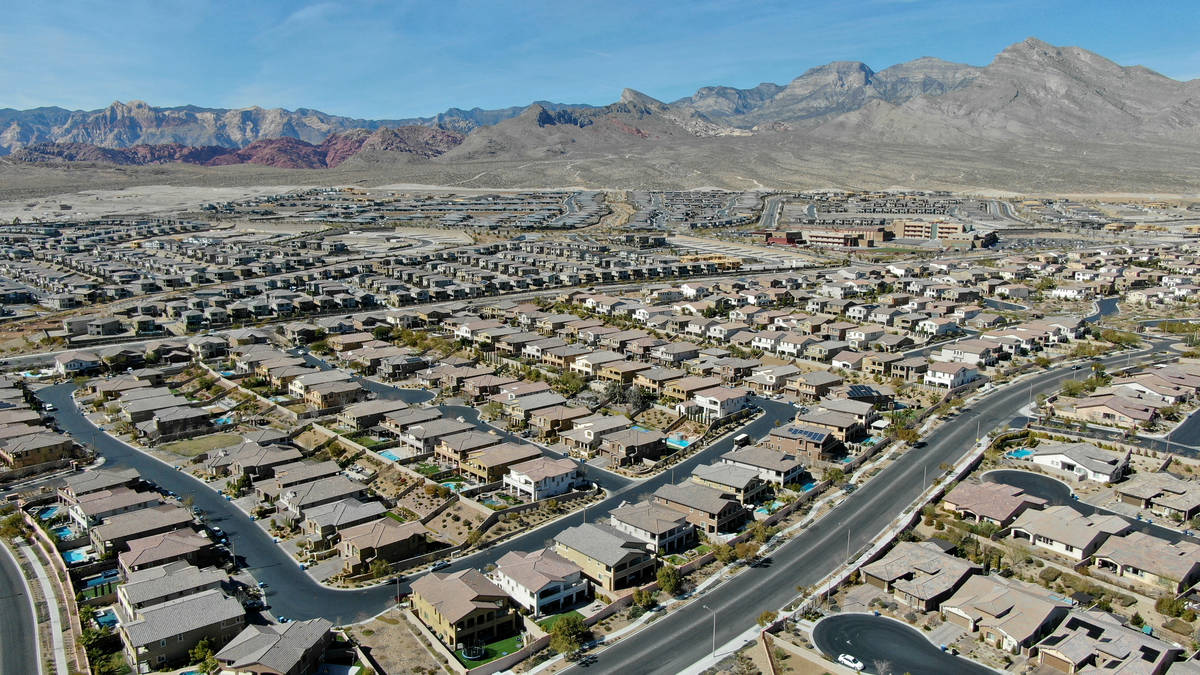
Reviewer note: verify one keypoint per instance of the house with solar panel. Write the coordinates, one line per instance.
(815, 445)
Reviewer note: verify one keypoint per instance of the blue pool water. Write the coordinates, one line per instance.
(107, 577)
(48, 513)
(390, 455)
(220, 421)
(452, 486)
(638, 428)
(63, 532)
(277, 399)
(227, 373)
(769, 508)
(1020, 454)
(74, 556)
(678, 442)
(106, 618)
(870, 441)
(847, 460)
(809, 486)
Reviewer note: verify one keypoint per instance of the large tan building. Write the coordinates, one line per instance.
(464, 608)
(610, 558)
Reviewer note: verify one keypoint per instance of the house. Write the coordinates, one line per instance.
(541, 478)
(1084, 460)
(586, 433)
(612, 559)
(919, 575)
(369, 413)
(294, 648)
(159, 636)
(333, 395)
(845, 427)
(91, 508)
(718, 402)
(663, 529)
(381, 539)
(1149, 560)
(1163, 494)
(95, 480)
(1115, 410)
(543, 582)
(772, 466)
(1098, 642)
(815, 385)
(709, 509)
(156, 585)
(1065, 531)
(160, 549)
(293, 503)
(464, 608)
(743, 484)
(492, 463)
(323, 522)
(115, 531)
(803, 441)
(632, 446)
(35, 448)
(453, 450)
(950, 375)
(1007, 613)
(71, 364)
(994, 503)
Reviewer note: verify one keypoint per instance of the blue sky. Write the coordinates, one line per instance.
(380, 59)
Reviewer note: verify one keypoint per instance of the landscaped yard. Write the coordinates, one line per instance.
(426, 468)
(492, 652)
(366, 441)
(549, 621)
(194, 446)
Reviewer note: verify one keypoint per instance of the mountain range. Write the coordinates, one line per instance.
(1037, 114)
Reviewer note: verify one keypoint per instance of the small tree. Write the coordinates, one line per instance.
(669, 579)
(380, 568)
(644, 599)
(724, 554)
(568, 634)
(747, 550)
(835, 475)
(766, 618)
(201, 652)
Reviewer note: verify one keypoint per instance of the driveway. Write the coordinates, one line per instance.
(887, 647)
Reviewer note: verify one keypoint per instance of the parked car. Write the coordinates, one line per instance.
(850, 662)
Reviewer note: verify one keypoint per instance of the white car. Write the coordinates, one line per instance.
(850, 662)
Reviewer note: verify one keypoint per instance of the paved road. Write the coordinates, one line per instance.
(822, 547)
(291, 591)
(1105, 307)
(887, 647)
(1058, 493)
(18, 634)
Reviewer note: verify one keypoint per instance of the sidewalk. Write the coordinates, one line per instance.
(53, 606)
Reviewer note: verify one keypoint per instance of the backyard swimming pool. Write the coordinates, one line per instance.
(221, 421)
(680, 443)
(63, 532)
(76, 555)
(389, 455)
(48, 513)
(107, 618)
(1020, 454)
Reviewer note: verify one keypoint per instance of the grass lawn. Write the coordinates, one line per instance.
(491, 652)
(365, 441)
(548, 623)
(702, 549)
(194, 446)
(426, 469)
(676, 560)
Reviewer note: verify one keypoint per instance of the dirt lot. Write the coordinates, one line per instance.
(455, 522)
(394, 643)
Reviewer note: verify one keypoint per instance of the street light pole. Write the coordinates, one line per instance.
(714, 628)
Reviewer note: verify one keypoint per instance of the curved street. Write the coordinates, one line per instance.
(803, 560)
(887, 647)
(291, 591)
(1058, 493)
(821, 548)
(18, 633)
